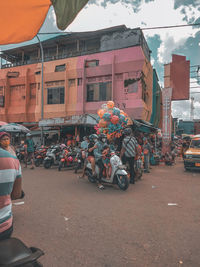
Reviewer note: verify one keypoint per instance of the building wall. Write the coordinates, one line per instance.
(23, 94)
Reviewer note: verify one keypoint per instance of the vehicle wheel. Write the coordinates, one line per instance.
(90, 177)
(37, 163)
(47, 164)
(122, 181)
(60, 166)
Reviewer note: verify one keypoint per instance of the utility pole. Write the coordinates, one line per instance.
(42, 89)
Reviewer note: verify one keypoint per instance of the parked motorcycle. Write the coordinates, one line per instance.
(66, 159)
(20, 153)
(40, 155)
(13, 253)
(118, 173)
(79, 160)
(52, 157)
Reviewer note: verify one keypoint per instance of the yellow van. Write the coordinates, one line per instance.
(192, 155)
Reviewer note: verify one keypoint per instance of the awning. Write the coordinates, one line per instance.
(21, 20)
(144, 126)
(86, 119)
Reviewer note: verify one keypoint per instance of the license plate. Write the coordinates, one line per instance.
(197, 164)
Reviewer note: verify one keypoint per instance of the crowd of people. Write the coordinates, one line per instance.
(97, 149)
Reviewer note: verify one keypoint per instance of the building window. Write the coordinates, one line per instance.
(55, 95)
(99, 91)
(37, 72)
(13, 74)
(60, 68)
(91, 63)
(80, 80)
(71, 82)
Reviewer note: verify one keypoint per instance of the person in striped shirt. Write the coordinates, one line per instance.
(129, 151)
(10, 184)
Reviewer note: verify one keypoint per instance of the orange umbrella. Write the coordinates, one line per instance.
(21, 20)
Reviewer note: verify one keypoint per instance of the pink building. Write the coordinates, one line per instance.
(81, 72)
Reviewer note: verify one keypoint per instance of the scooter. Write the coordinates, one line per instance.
(119, 175)
(52, 157)
(14, 253)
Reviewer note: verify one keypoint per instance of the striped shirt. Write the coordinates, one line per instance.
(10, 170)
(129, 144)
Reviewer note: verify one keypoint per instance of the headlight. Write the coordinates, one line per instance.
(188, 156)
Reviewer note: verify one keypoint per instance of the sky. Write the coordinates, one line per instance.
(99, 14)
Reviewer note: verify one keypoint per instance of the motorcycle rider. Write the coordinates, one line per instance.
(100, 142)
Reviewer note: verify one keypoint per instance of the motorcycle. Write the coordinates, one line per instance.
(40, 154)
(13, 253)
(79, 160)
(118, 176)
(20, 153)
(52, 157)
(66, 159)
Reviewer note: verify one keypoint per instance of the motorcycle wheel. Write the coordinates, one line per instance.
(122, 181)
(77, 167)
(60, 166)
(88, 173)
(47, 164)
(37, 163)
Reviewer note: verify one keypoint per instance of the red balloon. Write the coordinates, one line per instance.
(115, 119)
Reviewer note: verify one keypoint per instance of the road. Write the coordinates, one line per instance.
(76, 224)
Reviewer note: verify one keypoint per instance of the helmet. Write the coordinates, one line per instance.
(28, 134)
(92, 137)
(127, 131)
(102, 136)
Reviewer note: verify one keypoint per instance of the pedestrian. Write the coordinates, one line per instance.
(129, 151)
(29, 150)
(10, 185)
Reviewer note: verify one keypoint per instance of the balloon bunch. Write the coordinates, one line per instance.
(111, 120)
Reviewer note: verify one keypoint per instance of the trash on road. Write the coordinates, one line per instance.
(66, 219)
(18, 203)
(172, 204)
(153, 186)
(180, 262)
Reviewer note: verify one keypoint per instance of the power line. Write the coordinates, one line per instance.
(143, 29)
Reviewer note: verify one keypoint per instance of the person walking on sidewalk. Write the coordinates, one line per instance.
(29, 150)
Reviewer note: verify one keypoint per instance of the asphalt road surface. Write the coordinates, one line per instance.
(154, 223)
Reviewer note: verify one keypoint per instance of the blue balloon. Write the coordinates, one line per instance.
(116, 111)
(106, 116)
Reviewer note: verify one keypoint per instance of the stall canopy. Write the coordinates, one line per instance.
(21, 20)
(144, 126)
(86, 119)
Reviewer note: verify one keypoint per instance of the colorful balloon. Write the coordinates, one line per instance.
(110, 104)
(100, 112)
(116, 111)
(104, 107)
(115, 119)
(102, 123)
(107, 116)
